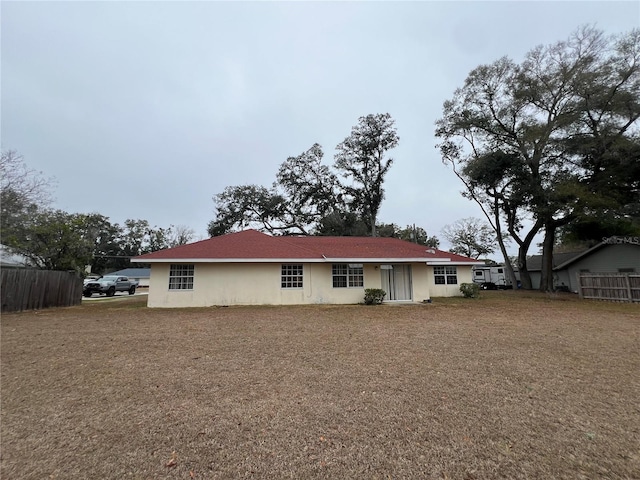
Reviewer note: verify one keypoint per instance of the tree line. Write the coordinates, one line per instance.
(57, 240)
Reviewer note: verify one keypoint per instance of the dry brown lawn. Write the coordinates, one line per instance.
(510, 385)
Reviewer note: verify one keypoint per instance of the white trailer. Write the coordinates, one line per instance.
(492, 277)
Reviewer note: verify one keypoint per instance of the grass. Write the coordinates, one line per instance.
(511, 385)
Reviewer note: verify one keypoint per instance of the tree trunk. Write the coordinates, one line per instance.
(549, 241)
(524, 244)
(503, 248)
(546, 278)
(525, 278)
(508, 265)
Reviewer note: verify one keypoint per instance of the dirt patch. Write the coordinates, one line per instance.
(507, 386)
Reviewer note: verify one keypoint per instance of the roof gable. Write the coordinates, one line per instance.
(251, 245)
(563, 260)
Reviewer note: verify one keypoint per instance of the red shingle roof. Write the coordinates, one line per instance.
(253, 245)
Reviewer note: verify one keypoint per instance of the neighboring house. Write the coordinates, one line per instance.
(606, 257)
(252, 268)
(142, 275)
(8, 259)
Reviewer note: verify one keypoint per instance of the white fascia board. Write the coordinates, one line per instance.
(231, 260)
(295, 260)
(449, 262)
(382, 260)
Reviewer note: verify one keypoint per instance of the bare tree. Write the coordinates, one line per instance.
(470, 237)
(180, 235)
(23, 191)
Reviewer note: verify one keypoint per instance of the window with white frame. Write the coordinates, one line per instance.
(291, 276)
(347, 275)
(445, 275)
(181, 277)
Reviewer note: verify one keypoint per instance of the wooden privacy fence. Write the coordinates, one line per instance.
(618, 287)
(26, 289)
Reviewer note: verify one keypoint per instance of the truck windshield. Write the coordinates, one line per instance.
(109, 279)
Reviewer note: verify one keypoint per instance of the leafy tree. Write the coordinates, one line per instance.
(418, 235)
(494, 181)
(605, 143)
(342, 223)
(135, 237)
(410, 233)
(308, 198)
(361, 157)
(310, 188)
(530, 115)
(305, 198)
(107, 254)
(138, 237)
(586, 232)
(247, 206)
(114, 245)
(55, 240)
(159, 238)
(470, 237)
(387, 230)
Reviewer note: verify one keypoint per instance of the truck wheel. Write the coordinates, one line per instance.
(111, 292)
(88, 294)
(132, 290)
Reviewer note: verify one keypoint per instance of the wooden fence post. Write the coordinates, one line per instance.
(627, 282)
(580, 294)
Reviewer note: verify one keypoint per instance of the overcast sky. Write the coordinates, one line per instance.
(145, 110)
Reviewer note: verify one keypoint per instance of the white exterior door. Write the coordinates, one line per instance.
(396, 281)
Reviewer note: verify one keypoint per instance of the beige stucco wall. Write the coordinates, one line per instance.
(420, 273)
(464, 276)
(259, 284)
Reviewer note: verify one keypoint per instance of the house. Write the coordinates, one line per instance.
(252, 268)
(613, 255)
(141, 275)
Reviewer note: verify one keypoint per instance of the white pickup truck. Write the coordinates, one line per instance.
(109, 285)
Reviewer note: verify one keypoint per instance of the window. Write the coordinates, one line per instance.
(181, 277)
(291, 276)
(445, 275)
(479, 273)
(347, 275)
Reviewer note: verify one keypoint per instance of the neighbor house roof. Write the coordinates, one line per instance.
(254, 246)
(534, 262)
(8, 259)
(133, 272)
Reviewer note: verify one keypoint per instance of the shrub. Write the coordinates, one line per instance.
(374, 296)
(470, 290)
